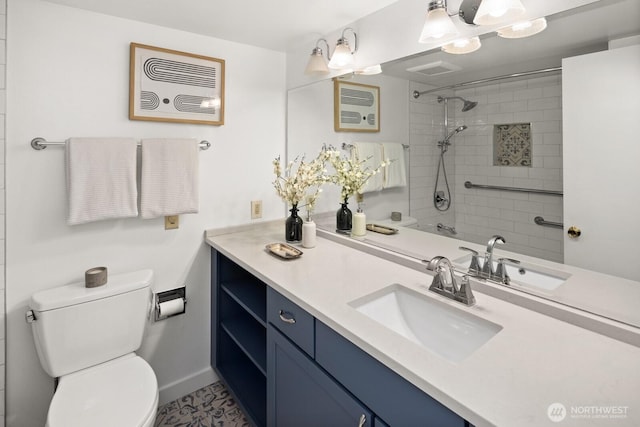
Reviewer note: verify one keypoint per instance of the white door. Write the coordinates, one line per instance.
(601, 140)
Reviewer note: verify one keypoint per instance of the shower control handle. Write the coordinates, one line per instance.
(574, 232)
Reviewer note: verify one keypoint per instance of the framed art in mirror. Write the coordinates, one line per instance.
(356, 107)
(171, 86)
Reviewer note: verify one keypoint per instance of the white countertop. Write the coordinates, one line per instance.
(533, 362)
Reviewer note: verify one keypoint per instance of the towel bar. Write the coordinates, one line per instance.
(41, 143)
(346, 146)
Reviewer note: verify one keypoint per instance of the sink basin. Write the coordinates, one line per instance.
(535, 277)
(452, 333)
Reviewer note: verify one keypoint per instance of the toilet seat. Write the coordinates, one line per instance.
(121, 392)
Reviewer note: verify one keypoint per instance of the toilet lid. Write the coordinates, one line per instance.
(121, 392)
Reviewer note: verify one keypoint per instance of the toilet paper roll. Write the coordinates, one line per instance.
(171, 307)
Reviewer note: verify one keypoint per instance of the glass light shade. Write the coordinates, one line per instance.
(316, 64)
(370, 70)
(437, 24)
(493, 12)
(462, 46)
(523, 29)
(342, 57)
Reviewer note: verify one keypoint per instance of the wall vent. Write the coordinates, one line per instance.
(434, 68)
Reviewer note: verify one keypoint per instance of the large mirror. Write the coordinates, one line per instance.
(445, 152)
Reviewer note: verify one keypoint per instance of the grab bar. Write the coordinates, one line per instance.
(346, 146)
(469, 184)
(540, 221)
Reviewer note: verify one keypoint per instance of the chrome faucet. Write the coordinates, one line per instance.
(487, 267)
(444, 282)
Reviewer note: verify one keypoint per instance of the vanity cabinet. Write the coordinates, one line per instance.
(287, 368)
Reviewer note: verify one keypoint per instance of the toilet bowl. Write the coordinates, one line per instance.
(121, 392)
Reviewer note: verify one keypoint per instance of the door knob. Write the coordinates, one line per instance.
(574, 232)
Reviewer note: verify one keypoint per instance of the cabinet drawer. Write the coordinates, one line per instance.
(291, 320)
(390, 396)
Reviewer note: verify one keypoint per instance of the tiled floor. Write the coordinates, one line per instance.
(211, 406)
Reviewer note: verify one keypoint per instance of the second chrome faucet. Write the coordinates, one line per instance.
(488, 271)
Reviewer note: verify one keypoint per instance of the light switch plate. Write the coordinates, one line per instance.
(256, 209)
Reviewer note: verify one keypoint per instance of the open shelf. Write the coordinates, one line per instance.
(244, 380)
(250, 295)
(250, 338)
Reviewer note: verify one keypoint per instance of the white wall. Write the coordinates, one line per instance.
(310, 125)
(3, 27)
(68, 76)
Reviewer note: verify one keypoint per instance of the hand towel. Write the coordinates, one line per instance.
(371, 154)
(169, 178)
(395, 173)
(101, 179)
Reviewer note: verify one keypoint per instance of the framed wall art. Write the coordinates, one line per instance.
(171, 86)
(356, 107)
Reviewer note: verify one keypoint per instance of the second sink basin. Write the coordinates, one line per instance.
(452, 333)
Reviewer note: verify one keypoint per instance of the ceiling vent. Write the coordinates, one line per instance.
(434, 68)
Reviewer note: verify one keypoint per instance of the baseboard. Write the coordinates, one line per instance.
(187, 385)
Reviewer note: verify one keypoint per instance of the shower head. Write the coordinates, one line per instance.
(468, 105)
(455, 131)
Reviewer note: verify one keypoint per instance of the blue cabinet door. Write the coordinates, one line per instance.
(395, 400)
(302, 394)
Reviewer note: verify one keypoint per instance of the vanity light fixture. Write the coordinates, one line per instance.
(342, 58)
(491, 12)
(317, 64)
(462, 46)
(523, 29)
(437, 23)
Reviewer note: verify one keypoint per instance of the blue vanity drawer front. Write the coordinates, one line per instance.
(294, 322)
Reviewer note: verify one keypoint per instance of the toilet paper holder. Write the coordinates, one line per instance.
(166, 299)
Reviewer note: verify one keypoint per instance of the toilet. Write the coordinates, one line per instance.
(87, 338)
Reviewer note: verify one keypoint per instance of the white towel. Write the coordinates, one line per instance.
(395, 174)
(371, 153)
(169, 179)
(101, 179)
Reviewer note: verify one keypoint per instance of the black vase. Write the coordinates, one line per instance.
(343, 218)
(293, 226)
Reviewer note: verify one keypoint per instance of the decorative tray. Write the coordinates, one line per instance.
(284, 251)
(383, 229)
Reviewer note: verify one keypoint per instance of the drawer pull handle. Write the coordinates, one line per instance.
(363, 420)
(287, 317)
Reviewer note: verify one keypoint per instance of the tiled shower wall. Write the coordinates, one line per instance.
(477, 214)
(3, 56)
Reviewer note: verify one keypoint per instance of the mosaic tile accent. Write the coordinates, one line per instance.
(512, 144)
(211, 406)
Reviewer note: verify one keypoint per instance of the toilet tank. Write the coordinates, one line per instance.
(77, 327)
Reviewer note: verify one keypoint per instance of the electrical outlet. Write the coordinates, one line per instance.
(256, 209)
(171, 222)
